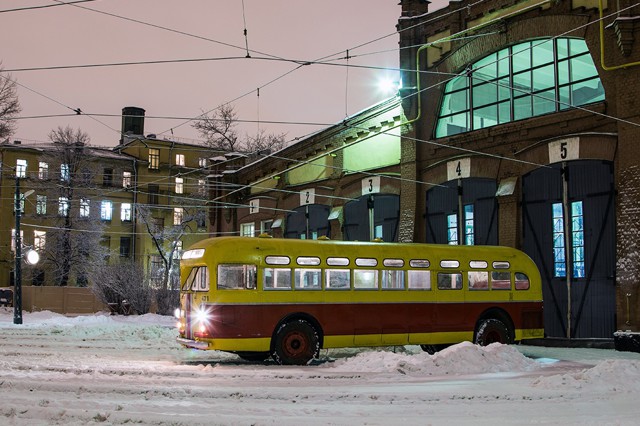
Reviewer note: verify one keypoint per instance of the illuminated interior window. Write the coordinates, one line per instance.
(452, 229)
(577, 240)
(468, 225)
(106, 210)
(525, 80)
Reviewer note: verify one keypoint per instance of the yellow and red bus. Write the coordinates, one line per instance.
(287, 299)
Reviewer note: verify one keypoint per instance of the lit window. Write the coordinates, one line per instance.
(64, 172)
(180, 160)
(21, 203)
(202, 162)
(39, 240)
(84, 207)
(154, 158)
(43, 170)
(452, 229)
(577, 240)
(525, 80)
(106, 210)
(125, 212)
(126, 179)
(177, 252)
(63, 206)
(178, 215)
(202, 187)
(247, 229)
(21, 168)
(468, 225)
(179, 185)
(41, 205)
(13, 238)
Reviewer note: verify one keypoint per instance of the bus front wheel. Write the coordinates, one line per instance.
(492, 331)
(296, 343)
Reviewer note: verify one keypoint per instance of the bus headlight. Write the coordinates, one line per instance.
(177, 313)
(202, 315)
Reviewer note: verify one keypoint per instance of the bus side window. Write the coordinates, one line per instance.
(500, 280)
(522, 281)
(393, 280)
(478, 280)
(419, 280)
(339, 279)
(277, 279)
(308, 279)
(365, 279)
(449, 281)
(236, 277)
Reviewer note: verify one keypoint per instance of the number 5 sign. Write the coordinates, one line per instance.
(564, 149)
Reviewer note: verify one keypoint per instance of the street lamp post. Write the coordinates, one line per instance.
(17, 278)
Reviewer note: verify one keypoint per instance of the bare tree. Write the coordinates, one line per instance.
(220, 132)
(73, 246)
(123, 286)
(166, 240)
(9, 105)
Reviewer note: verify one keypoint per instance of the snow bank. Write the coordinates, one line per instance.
(464, 358)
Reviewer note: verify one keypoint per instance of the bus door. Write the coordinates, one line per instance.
(195, 291)
(450, 297)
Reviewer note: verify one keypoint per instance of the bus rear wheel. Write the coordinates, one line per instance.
(432, 349)
(492, 331)
(296, 343)
(254, 356)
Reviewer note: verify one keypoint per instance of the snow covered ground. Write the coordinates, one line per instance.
(107, 370)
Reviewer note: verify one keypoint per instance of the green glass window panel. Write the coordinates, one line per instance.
(542, 52)
(504, 62)
(446, 108)
(562, 46)
(576, 208)
(522, 108)
(452, 125)
(544, 78)
(521, 57)
(485, 117)
(577, 46)
(457, 83)
(522, 83)
(582, 67)
(457, 101)
(563, 72)
(544, 102)
(504, 89)
(565, 98)
(483, 94)
(587, 92)
(504, 112)
(557, 211)
(486, 68)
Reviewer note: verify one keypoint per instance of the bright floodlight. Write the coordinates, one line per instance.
(388, 85)
(32, 257)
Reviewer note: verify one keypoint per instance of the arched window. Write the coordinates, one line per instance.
(525, 80)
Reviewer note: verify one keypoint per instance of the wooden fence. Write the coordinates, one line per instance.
(63, 300)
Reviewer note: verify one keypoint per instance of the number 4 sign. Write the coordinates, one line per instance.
(459, 169)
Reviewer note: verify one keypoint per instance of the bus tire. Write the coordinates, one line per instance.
(254, 356)
(296, 343)
(432, 349)
(492, 331)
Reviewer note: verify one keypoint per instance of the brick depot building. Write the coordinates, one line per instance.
(515, 126)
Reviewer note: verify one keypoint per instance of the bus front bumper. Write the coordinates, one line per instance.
(196, 344)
